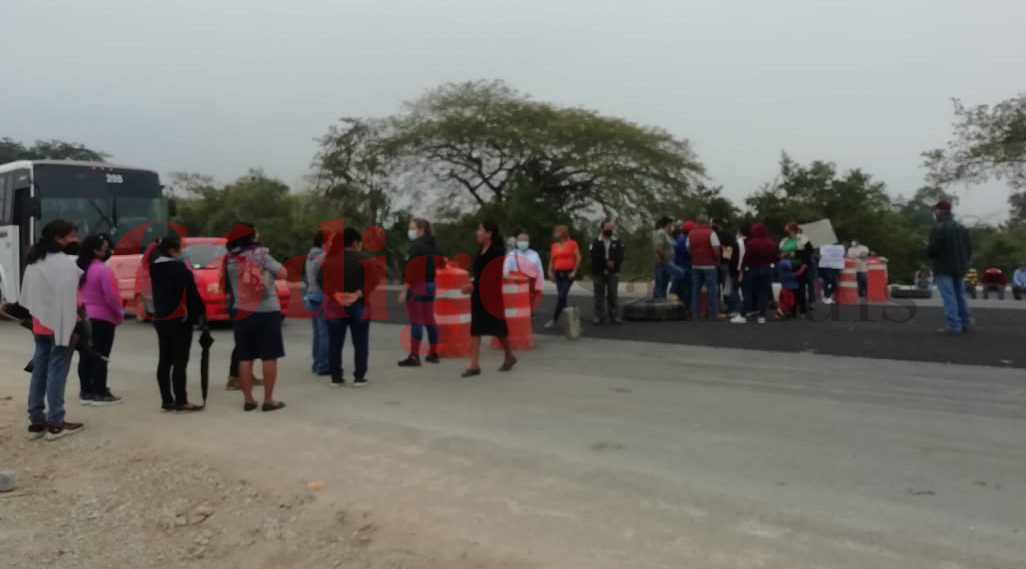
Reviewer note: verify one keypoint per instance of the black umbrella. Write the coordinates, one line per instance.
(83, 329)
(205, 341)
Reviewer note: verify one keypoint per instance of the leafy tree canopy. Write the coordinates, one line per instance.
(484, 142)
(11, 150)
(988, 142)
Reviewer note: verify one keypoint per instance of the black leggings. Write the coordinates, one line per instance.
(174, 339)
(92, 370)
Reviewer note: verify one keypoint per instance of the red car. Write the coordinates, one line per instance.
(205, 256)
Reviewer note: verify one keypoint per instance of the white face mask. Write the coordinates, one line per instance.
(522, 245)
(412, 234)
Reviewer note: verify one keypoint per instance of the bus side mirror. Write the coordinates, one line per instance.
(172, 207)
(35, 208)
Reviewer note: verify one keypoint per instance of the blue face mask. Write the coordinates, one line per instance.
(412, 234)
(523, 245)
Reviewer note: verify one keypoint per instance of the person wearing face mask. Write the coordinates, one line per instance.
(564, 262)
(606, 258)
(526, 261)
(49, 292)
(177, 307)
(418, 292)
(98, 293)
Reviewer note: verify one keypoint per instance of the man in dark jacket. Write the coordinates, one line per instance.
(606, 258)
(950, 250)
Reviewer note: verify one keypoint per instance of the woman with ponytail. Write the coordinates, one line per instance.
(98, 293)
(49, 291)
(177, 307)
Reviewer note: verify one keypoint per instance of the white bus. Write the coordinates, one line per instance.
(99, 197)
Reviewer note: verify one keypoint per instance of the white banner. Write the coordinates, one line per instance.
(831, 256)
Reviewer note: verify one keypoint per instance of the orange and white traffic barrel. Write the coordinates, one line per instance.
(452, 311)
(516, 295)
(877, 280)
(848, 287)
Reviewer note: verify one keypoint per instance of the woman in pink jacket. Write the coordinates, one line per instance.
(98, 293)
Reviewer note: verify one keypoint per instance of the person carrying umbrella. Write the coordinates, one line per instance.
(174, 319)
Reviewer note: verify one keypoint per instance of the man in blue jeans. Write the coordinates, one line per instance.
(704, 245)
(345, 311)
(665, 272)
(950, 250)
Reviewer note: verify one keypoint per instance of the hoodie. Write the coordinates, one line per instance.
(175, 297)
(760, 250)
(99, 294)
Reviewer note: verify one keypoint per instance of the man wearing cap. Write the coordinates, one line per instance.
(950, 250)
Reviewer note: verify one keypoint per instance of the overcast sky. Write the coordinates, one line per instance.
(218, 86)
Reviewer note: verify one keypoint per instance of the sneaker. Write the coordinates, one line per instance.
(338, 382)
(36, 432)
(65, 429)
(761, 320)
(739, 319)
(360, 382)
(234, 383)
(86, 398)
(410, 361)
(550, 324)
(828, 301)
(432, 359)
(106, 400)
(257, 381)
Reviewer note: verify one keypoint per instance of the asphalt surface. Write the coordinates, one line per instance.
(907, 331)
(613, 454)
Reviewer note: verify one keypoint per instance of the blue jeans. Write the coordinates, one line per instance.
(50, 366)
(420, 308)
(563, 284)
(731, 290)
(712, 290)
(758, 289)
(666, 274)
(314, 303)
(829, 281)
(956, 309)
(862, 279)
(355, 323)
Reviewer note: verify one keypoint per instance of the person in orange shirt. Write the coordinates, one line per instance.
(564, 262)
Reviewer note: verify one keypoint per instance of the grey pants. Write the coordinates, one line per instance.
(606, 292)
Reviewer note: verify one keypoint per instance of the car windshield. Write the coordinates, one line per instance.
(201, 255)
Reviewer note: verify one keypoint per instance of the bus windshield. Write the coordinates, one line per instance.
(100, 199)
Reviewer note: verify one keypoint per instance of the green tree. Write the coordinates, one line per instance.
(988, 142)
(484, 142)
(210, 210)
(857, 206)
(11, 150)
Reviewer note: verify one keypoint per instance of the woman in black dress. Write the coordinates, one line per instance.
(487, 311)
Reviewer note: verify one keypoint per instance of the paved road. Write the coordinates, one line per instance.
(905, 331)
(620, 454)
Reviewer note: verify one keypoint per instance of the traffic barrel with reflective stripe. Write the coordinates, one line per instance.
(516, 296)
(877, 280)
(848, 288)
(452, 311)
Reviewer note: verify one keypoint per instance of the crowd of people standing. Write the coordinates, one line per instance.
(70, 292)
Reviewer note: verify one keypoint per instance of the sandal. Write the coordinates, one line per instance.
(189, 407)
(506, 366)
(249, 406)
(273, 406)
(471, 372)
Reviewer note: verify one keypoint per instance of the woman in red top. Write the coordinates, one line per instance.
(564, 262)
